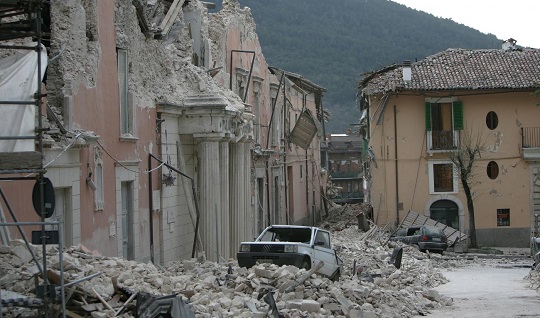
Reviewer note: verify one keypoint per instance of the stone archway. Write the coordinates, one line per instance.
(446, 212)
(446, 203)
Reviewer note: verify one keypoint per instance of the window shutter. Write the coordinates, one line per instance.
(364, 148)
(428, 116)
(457, 108)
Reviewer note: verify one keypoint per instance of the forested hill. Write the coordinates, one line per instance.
(333, 42)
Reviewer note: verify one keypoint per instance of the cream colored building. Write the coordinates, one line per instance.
(417, 112)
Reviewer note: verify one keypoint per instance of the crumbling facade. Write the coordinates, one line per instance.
(343, 154)
(285, 178)
(419, 113)
(157, 115)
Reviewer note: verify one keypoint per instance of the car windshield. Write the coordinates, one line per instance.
(274, 234)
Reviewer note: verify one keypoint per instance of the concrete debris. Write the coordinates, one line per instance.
(212, 289)
(533, 278)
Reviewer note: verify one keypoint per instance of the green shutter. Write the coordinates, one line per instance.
(428, 116)
(457, 108)
(365, 144)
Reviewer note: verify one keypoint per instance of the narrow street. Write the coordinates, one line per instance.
(493, 290)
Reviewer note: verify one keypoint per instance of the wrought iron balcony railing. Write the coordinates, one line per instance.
(442, 140)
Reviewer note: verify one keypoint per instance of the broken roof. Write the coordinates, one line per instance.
(299, 80)
(461, 69)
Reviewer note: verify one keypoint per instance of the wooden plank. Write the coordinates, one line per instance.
(29, 160)
(169, 16)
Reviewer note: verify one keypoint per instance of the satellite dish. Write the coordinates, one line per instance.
(48, 198)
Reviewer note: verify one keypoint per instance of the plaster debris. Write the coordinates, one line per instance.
(211, 289)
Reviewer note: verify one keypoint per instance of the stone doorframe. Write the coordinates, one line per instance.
(461, 208)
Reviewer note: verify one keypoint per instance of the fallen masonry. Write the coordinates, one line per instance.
(225, 290)
(109, 286)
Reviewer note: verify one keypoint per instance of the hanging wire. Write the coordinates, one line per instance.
(123, 166)
(64, 150)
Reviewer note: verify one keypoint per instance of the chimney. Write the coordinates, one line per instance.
(509, 45)
(407, 71)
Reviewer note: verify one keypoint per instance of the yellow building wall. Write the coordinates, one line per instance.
(511, 189)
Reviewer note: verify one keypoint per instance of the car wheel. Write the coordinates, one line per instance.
(306, 264)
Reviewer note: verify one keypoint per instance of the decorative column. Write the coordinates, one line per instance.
(224, 221)
(249, 212)
(208, 147)
(237, 196)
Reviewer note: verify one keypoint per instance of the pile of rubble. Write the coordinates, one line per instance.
(533, 278)
(108, 286)
(343, 216)
(373, 283)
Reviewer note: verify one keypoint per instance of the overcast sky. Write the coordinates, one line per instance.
(517, 19)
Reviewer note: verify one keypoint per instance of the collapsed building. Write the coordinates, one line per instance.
(163, 134)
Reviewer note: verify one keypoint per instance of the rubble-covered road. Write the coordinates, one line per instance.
(207, 289)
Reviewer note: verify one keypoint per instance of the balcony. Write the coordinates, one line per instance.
(442, 140)
(346, 175)
(530, 143)
(348, 197)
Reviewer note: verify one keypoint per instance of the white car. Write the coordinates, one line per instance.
(301, 246)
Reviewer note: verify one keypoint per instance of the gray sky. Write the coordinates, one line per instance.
(518, 19)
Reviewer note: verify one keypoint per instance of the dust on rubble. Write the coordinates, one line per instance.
(370, 285)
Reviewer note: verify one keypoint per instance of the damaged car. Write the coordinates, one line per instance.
(301, 246)
(426, 237)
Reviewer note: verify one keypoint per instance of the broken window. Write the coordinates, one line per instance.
(98, 168)
(442, 177)
(443, 120)
(257, 111)
(503, 217)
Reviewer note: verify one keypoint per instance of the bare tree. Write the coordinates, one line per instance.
(464, 157)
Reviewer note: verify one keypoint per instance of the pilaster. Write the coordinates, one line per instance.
(208, 147)
(237, 196)
(224, 221)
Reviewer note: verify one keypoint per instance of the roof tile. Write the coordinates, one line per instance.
(461, 69)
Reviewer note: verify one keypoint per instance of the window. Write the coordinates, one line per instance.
(98, 168)
(126, 112)
(492, 121)
(492, 170)
(256, 111)
(276, 124)
(442, 177)
(503, 217)
(322, 239)
(99, 187)
(241, 89)
(443, 119)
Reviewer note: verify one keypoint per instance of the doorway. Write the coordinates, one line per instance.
(64, 214)
(127, 220)
(445, 212)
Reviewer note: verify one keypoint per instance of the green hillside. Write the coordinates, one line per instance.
(333, 42)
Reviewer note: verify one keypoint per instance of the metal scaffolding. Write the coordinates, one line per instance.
(22, 21)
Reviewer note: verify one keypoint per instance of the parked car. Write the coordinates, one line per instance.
(426, 237)
(301, 246)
